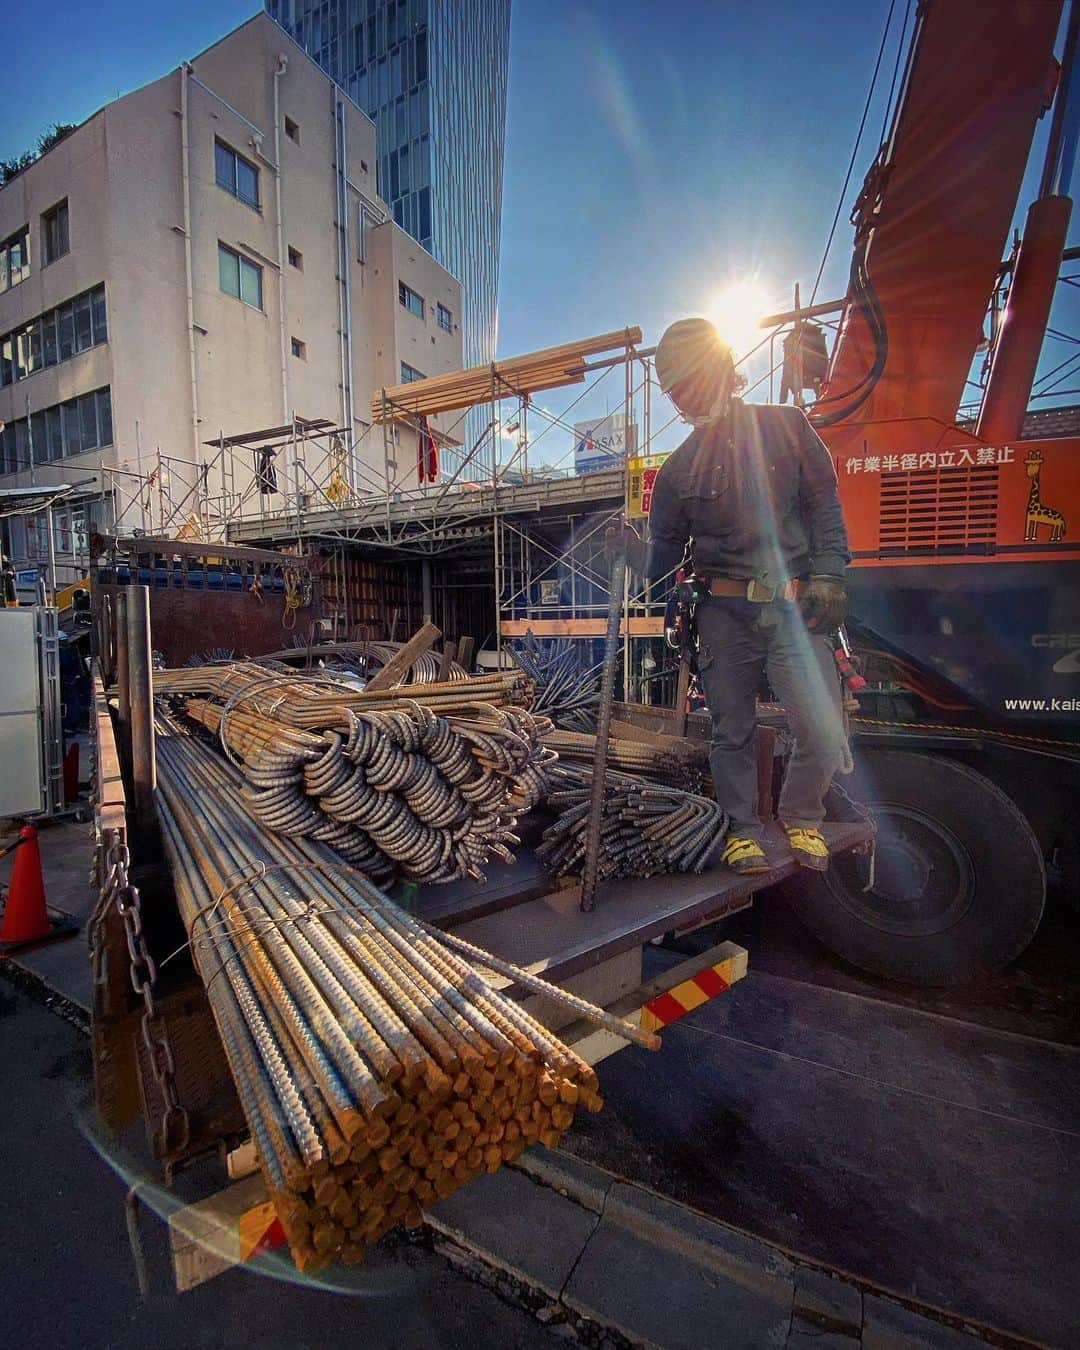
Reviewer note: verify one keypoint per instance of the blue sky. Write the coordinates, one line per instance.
(652, 158)
(654, 151)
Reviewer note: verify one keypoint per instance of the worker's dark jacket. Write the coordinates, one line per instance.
(755, 494)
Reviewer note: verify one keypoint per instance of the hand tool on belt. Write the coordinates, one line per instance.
(680, 631)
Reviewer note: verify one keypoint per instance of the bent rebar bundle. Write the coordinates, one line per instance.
(567, 693)
(366, 655)
(645, 829)
(377, 1068)
(319, 701)
(678, 764)
(404, 792)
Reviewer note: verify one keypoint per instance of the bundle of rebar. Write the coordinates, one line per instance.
(367, 657)
(319, 701)
(566, 691)
(405, 792)
(645, 829)
(674, 763)
(378, 1068)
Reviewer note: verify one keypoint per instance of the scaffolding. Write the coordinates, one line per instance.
(509, 539)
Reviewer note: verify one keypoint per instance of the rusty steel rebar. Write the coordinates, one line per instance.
(591, 864)
(319, 700)
(404, 792)
(675, 764)
(646, 828)
(377, 1067)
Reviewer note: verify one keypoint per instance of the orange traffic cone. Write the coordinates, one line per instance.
(25, 917)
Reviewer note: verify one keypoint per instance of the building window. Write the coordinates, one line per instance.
(299, 349)
(71, 428)
(296, 258)
(409, 374)
(73, 327)
(15, 258)
(446, 319)
(54, 233)
(292, 130)
(240, 277)
(236, 174)
(408, 297)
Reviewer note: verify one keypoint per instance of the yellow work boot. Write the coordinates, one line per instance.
(808, 846)
(744, 856)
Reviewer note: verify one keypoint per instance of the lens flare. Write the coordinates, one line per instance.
(736, 309)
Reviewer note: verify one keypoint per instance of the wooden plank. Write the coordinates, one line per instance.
(627, 731)
(394, 671)
(412, 406)
(466, 648)
(665, 720)
(551, 937)
(444, 392)
(639, 626)
(219, 1232)
(449, 653)
(242, 1161)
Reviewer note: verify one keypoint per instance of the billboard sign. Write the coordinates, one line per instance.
(603, 443)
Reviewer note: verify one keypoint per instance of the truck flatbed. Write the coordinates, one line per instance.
(550, 935)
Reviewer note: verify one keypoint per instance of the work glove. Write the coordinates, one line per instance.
(824, 604)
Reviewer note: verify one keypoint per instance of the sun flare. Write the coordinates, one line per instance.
(736, 309)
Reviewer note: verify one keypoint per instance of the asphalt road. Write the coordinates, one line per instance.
(925, 1141)
(69, 1277)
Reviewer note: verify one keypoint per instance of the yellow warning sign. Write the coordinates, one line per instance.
(643, 473)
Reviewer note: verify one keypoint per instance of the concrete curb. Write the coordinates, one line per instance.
(605, 1255)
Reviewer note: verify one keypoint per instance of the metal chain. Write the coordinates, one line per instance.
(118, 890)
(865, 814)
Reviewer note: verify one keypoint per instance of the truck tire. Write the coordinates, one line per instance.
(959, 881)
(1068, 858)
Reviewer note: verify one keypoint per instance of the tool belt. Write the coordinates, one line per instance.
(754, 590)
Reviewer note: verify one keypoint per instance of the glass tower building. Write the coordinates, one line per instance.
(432, 76)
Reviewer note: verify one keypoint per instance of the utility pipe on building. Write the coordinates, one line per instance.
(286, 406)
(185, 178)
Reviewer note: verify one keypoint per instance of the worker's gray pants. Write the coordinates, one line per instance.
(740, 639)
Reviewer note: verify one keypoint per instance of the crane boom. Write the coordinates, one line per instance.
(932, 221)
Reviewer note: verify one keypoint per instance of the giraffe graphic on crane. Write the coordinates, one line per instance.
(1037, 513)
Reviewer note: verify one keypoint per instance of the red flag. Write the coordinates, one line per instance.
(427, 452)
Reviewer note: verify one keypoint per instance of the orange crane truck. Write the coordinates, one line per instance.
(965, 580)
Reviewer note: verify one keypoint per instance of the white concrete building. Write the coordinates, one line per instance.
(205, 256)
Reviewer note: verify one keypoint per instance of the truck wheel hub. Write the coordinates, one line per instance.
(923, 877)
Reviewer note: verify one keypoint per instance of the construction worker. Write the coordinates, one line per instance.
(11, 594)
(752, 494)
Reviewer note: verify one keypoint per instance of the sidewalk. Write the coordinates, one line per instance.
(659, 1274)
(66, 861)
